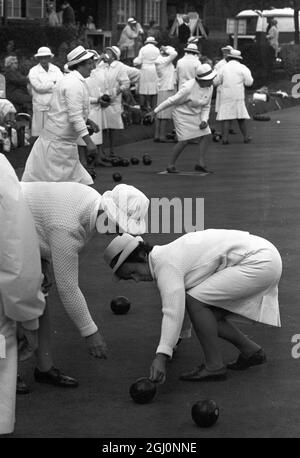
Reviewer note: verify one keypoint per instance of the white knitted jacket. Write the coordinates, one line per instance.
(187, 262)
(65, 217)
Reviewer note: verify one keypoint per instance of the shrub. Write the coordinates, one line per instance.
(28, 38)
(290, 55)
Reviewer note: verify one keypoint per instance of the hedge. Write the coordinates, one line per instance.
(28, 38)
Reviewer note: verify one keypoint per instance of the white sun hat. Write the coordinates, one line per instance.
(115, 50)
(127, 206)
(192, 47)
(235, 54)
(205, 72)
(77, 55)
(150, 40)
(227, 48)
(44, 51)
(131, 20)
(123, 245)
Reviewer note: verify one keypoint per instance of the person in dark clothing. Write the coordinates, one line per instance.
(68, 16)
(16, 86)
(184, 33)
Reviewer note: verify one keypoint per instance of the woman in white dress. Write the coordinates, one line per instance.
(191, 108)
(217, 275)
(116, 82)
(273, 36)
(166, 88)
(225, 51)
(233, 77)
(54, 156)
(148, 77)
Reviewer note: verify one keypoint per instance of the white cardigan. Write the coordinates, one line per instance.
(42, 83)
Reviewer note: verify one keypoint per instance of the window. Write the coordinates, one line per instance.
(23, 8)
(126, 9)
(152, 11)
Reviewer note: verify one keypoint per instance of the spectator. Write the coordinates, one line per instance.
(90, 25)
(128, 39)
(53, 20)
(16, 85)
(43, 78)
(68, 16)
(233, 77)
(117, 82)
(184, 33)
(154, 31)
(148, 77)
(82, 17)
(188, 65)
(273, 37)
(166, 88)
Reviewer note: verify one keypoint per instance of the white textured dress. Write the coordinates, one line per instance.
(42, 84)
(65, 216)
(233, 77)
(21, 298)
(54, 156)
(191, 106)
(233, 270)
(148, 76)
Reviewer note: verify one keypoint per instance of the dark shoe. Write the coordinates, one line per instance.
(172, 169)
(55, 377)
(202, 374)
(225, 142)
(248, 140)
(199, 168)
(156, 140)
(22, 388)
(244, 362)
(232, 132)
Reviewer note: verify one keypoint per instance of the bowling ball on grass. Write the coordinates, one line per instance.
(147, 159)
(120, 305)
(125, 162)
(205, 413)
(142, 390)
(134, 160)
(117, 177)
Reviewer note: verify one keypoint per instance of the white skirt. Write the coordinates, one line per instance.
(161, 97)
(231, 109)
(248, 289)
(112, 117)
(55, 160)
(8, 381)
(39, 119)
(148, 80)
(187, 126)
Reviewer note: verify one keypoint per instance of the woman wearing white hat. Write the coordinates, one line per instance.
(128, 39)
(42, 78)
(116, 82)
(66, 216)
(188, 65)
(148, 77)
(233, 77)
(191, 109)
(217, 275)
(166, 88)
(54, 156)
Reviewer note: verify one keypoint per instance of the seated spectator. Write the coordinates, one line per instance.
(7, 112)
(16, 85)
(90, 25)
(154, 31)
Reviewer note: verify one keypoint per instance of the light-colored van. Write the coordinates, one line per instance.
(251, 25)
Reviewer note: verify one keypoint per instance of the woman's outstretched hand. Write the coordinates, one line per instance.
(158, 369)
